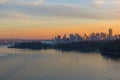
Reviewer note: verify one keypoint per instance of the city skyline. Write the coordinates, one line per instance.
(44, 19)
(102, 36)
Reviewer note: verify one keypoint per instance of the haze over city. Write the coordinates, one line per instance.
(44, 19)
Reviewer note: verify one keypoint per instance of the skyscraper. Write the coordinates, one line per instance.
(110, 32)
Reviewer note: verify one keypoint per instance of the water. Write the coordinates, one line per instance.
(18, 64)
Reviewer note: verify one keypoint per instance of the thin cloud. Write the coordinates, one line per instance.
(3, 1)
(98, 3)
(66, 10)
(34, 3)
(14, 15)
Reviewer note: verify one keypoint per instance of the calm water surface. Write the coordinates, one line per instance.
(18, 64)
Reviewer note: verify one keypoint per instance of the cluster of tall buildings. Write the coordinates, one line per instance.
(72, 38)
(91, 37)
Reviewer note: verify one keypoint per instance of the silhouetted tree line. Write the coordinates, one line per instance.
(80, 46)
(111, 46)
(104, 46)
(30, 45)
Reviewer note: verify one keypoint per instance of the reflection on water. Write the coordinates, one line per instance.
(112, 57)
(18, 64)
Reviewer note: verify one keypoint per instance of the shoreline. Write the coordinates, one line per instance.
(105, 47)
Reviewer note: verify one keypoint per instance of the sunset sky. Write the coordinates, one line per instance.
(44, 19)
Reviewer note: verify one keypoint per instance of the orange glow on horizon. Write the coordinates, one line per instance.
(49, 33)
(50, 30)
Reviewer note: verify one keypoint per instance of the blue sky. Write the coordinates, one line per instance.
(53, 15)
(106, 9)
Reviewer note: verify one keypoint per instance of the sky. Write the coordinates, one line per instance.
(44, 19)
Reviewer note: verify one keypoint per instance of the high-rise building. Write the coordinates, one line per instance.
(78, 37)
(65, 39)
(72, 38)
(110, 32)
